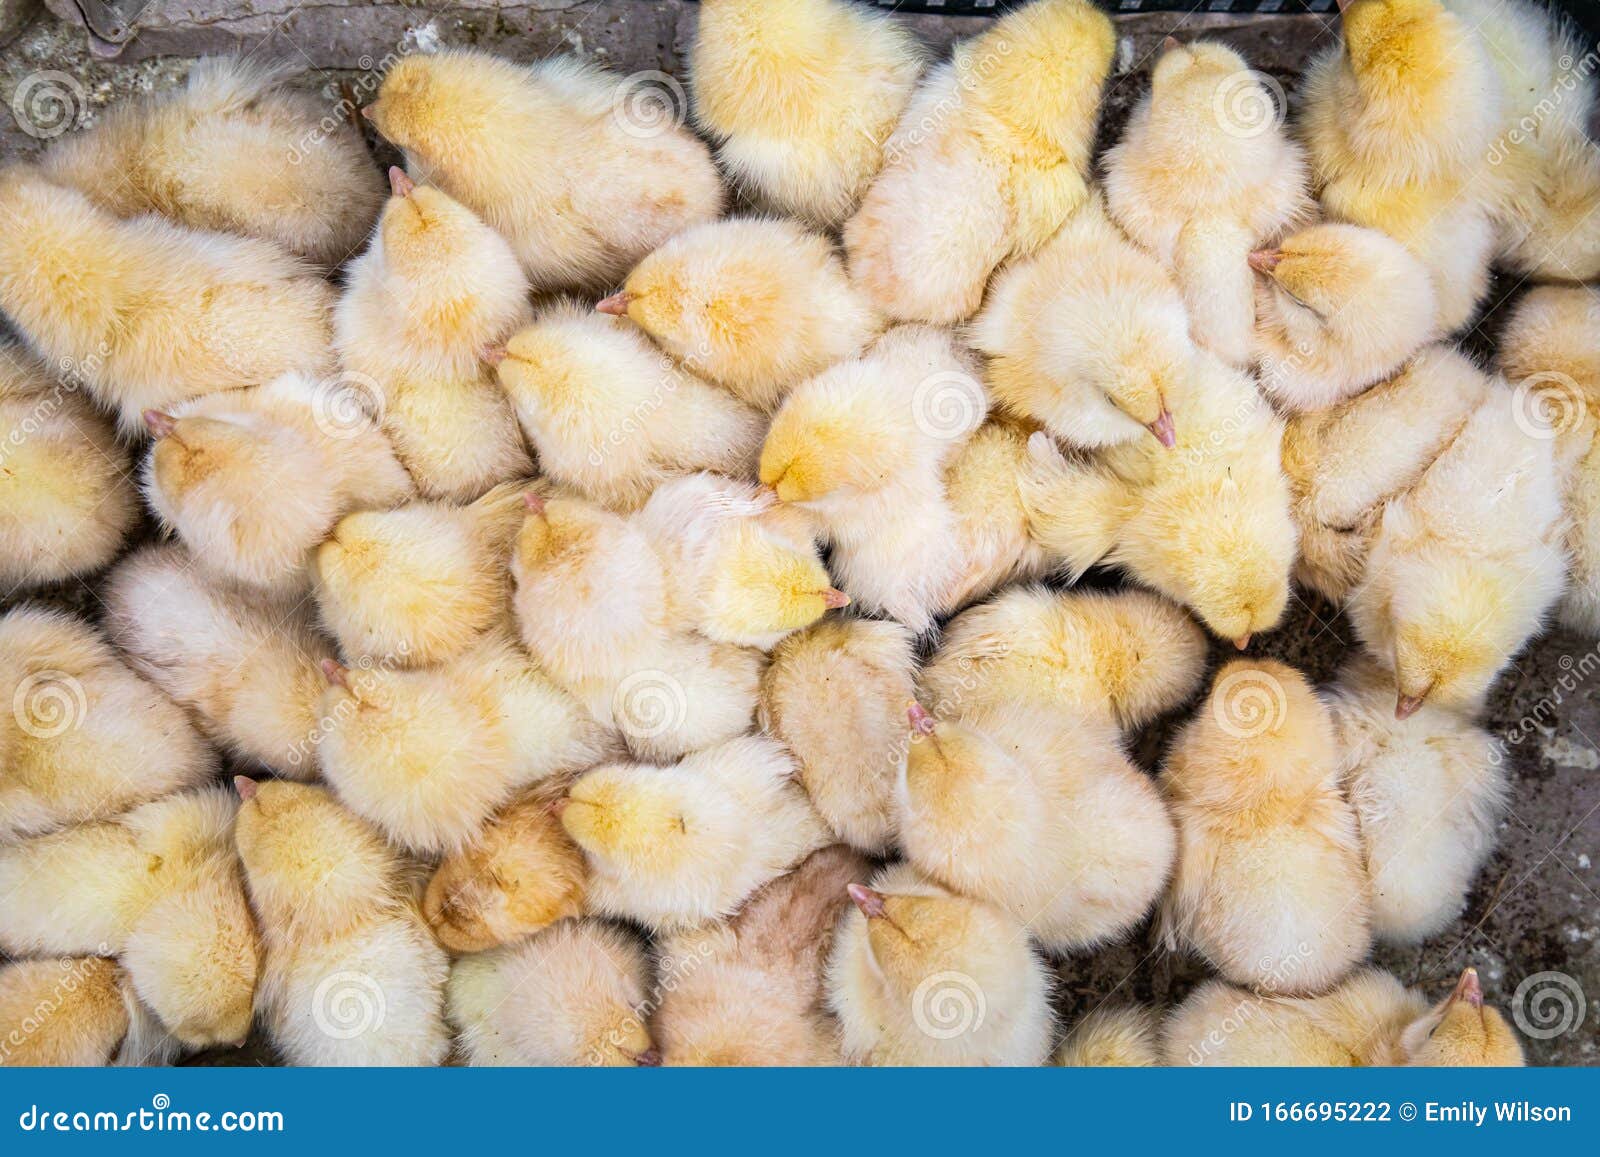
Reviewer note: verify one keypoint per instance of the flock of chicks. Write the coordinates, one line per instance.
(514, 715)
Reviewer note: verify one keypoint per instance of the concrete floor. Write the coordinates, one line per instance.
(1535, 907)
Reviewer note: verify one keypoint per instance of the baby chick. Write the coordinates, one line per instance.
(78, 1011)
(1113, 1038)
(85, 738)
(748, 991)
(983, 485)
(1269, 885)
(252, 480)
(1428, 793)
(435, 286)
(671, 847)
(611, 416)
(210, 156)
(755, 305)
(575, 994)
(1204, 174)
(350, 976)
(146, 313)
(1338, 309)
(246, 667)
(921, 976)
(511, 140)
(65, 500)
(419, 584)
(800, 96)
(988, 159)
(1038, 813)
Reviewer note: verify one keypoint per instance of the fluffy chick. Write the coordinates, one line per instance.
(1270, 886)
(77, 1011)
(511, 140)
(748, 991)
(210, 156)
(252, 480)
(575, 994)
(983, 485)
(66, 503)
(755, 305)
(1113, 1038)
(921, 976)
(146, 313)
(671, 847)
(350, 975)
(611, 416)
(1202, 188)
(988, 159)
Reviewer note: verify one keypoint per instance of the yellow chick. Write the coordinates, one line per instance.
(429, 755)
(755, 305)
(145, 313)
(611, 416)
(245, 667)
(1205, 523)
(835, 694)
(350, 975)
(575, 994)
(748, 991)
(921, 976)
(1118, 1038)
(1089, 337)
(1399, 121)
(211, 156)
(800, 96)
(1040, 814)
(989, 158)
(1203, 175)
(1370, 1020)
(66, 502)
(85, 738)
(983, 485)
(1339, 308)
(1270, 886)
(1428, 792)
(521, 874)
(432, 290)
(75, 1011)
(419, 584)
(252, 480)
(671, 847)
(511, 140)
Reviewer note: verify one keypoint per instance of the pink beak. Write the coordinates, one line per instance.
(870, 902)
(159, 424)
(245, 786)
(616, 305)
(1164, 431)
(922, 721)
(400, 184)
(1265, 260)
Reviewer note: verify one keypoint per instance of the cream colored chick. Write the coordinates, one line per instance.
(983, 485)
(1399, 122)
(748, 991)
(921, 976)
(435, 286)
(519, 875)
(1205, 523)
(1270, 885)
(77, 1011)
(800, 96)
(429, 755)
(146, 313)
(671, 847)
(252, 480)
(1089, 337)
(1203, 174)
(988, 160)
(211, 156)
(419, 584)
(1118, 1038)
(755, 305)
(575, 994)
(350, 975)
(511, 140)
(835, 694)
(1123, 658)
(611, 416)
(66, 503)
(1428, 793)
(1370, 1020)
(85, 738)
(1339, 308)
(1040, 814)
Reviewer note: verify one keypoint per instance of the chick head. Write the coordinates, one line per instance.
(1261, 728)
(1188, 74)
(760, 587)
(943, 750)
(562, 537)
(1461, 1031)
(629, 817)
(419, 100)
(1385, 38)
(814, 451)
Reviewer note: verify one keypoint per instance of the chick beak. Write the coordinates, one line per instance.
(1265, 260)
(335, 673)
(159, 424)
(1406, 706)
(534, 502)
(1242, 643)
(493, 354)
(400, 184)
(1170, 43)
(649, 1059)
(1343, 5)
(1468, 989)
(834, 599)
(367, 112)
(616, 305)
(922, 721)
(871, 903)
(245, 786)
(1163, 429)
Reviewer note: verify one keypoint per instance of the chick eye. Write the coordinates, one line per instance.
(1312, 310)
